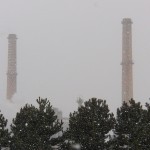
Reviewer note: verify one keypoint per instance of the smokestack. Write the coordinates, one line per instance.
(127, 63)
(12, 66)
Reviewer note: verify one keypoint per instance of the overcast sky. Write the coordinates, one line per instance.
(72, 48)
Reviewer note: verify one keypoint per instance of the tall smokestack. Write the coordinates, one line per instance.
(127, 63)
(12, 66)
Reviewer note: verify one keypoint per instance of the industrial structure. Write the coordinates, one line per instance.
(127, 63)
(12, 68)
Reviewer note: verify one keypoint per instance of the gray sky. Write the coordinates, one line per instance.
(72, 48)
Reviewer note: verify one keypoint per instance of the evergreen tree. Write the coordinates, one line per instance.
(90, 125)
(66, 141)
(34, 128)
(144, 136)
(129, 128)
(4, 134)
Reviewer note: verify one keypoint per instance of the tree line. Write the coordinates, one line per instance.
(92, 126)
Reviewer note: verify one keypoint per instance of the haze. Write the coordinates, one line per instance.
(72, 48)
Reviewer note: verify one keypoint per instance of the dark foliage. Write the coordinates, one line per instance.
(130, 128)
(4, 134)
(33, 128)
(90, 125)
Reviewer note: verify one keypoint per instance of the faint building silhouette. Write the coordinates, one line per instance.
(80, 102)
(65, 123)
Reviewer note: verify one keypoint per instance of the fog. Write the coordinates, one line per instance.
(72, 48)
